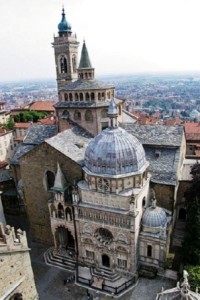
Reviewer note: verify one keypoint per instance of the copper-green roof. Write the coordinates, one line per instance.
(85, 60)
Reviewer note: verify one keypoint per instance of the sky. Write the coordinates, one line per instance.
(122, 37)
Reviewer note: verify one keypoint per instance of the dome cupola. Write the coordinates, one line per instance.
(154, 217)
(114, 151)
(64, 26)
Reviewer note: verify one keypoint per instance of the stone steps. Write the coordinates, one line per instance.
(59, 260)
(105, 273)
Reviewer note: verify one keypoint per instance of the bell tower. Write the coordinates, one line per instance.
(66, 54)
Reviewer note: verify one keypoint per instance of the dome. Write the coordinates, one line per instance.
(113, 152)
(64, 26)
(154, 217)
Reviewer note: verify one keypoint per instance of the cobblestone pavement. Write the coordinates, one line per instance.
(50, 282)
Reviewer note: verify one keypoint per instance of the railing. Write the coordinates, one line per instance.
(107, 222)
(108, 288)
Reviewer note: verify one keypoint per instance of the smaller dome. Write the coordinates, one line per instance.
(154, 217)
(64, 26)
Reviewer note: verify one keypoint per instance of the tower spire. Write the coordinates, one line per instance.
(85, 69)
(112, 113)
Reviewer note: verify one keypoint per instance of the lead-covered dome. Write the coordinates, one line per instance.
(114, 151)
(154, 217)
(64, 26)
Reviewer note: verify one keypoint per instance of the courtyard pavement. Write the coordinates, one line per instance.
(50, 282)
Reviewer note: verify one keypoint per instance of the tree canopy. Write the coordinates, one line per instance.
(29, 116)
(191, 245)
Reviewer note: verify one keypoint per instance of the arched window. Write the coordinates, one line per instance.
(65, 114)
(76, 97)
(87, 97)
(70, 97)
(103, 96)
(66, 97)
(63, 64)
(99, 96)
(50, 178)
(60, 211)
(92, 96)
(68, 214)
(53, 211)
(88, 116)
(77, 115)
(149, 250)
(81, 96)
(74, 63)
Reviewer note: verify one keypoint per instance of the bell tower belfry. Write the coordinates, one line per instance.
(66, 54)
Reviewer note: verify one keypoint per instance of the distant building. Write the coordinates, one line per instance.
(192, 134)
(195, 115)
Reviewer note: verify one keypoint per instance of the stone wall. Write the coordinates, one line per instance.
(16, 275)
(164, 195)
(34, 166)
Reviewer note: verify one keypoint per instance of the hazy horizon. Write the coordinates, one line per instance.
(122, 37)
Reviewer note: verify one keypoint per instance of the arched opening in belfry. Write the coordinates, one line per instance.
(64, 238)
(182, 214)
(92, 96)
(63, 64)
(105, 260)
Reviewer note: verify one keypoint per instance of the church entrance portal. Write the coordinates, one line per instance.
(64, 238)
(105, 261)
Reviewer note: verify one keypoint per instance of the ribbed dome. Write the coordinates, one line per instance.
(64, 26)
(154, 217)
(114, 151)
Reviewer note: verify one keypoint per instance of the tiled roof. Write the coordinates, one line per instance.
(72, 143)
(172, 122)
(156, 134)
(163, 163)
(127, 117)
(21, 150)
(192, 130)
(22, 125)
(42, 106)
(67, 104)
(47, 121)
(38, 133)
(81, 85)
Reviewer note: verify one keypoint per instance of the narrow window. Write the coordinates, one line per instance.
(149, 251)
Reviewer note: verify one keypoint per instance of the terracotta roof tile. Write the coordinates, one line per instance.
(43, 106)
(22, 125)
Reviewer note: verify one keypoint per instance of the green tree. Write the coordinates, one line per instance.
(194, 276)
(9, 124)
(191, 245)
